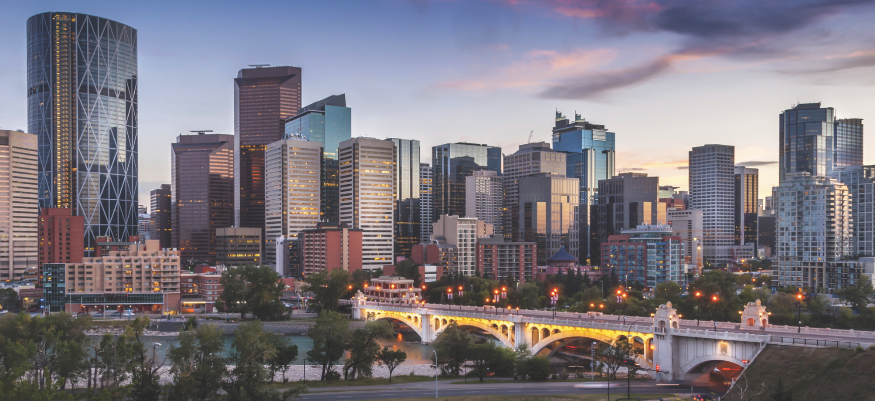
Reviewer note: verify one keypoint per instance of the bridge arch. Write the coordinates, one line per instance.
(407, 320)
(692, 364)
(480, 325)
(565, 337)
(574, 334)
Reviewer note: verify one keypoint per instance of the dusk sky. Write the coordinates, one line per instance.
(663, 75)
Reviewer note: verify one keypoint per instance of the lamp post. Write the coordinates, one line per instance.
(592, 360)
(799, 308)
(435, 375)
(725, 380)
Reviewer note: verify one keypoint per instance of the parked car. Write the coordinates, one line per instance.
(81, 314)
(129, 313)
(98, 314)
(115, 314)
(32, 310)
(3, 311)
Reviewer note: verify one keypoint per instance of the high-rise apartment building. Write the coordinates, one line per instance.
(202, 179)
(484, 198)
(263, 98)
(814, 233)
(530, 159)
(860, 181)
(807, 142)
(238, 246)
(407, 202)
(19, 206)
(60, 236)
(548, 213)
(712, 190)
(327, 248)
(82, 105)
(461, 232)
(451, 163)
(328, 122)
(161, 220)
(506, 261)
(367, 187)
(688, 226)
(426, 202)
(848, 142)
(292, 196)
(144, 223)
(590, 150)
(746, 207)
(647, 254)
(625, 202)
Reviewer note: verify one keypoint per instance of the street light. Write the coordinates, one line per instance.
(799, 305)
(435, 374)
(592, 360)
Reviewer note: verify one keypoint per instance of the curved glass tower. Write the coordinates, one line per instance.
(82, 105)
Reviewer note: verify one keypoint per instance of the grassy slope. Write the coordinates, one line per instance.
(814, 373)
(558, 397)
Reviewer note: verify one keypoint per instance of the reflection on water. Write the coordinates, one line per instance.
(417, 353)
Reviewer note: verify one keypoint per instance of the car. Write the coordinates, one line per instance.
(32, 310)
(81, 314)
(3, 311)
(128, 313)
(115, 314)
(702, 397)
(98, 314)
(309, 311)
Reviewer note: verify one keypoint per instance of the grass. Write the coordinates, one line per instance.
(360, 382)
(558, 397)
(475, 380)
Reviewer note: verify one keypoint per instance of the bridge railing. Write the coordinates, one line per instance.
(779, 340)
(724, 335)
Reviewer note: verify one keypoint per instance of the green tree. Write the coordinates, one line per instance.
(251, 351)
(483, 357)
(719, 285)
(364, 349)
(286, 354)
(197, 367)
(409, 270)
(327, 288)
(858, 295)
(8, 299)
(329, 336)
(452, 347)
(538, 368)
(233, 296)
(615, 356)
(391, 359)
(522, 354)
(253, 289)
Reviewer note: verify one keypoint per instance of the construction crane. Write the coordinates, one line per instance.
(203, 131)
(530, 136)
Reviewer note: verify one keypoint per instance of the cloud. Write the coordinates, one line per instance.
(755, 163)
(594, 85)
(499, 46)
(858, 59)
(683, 167)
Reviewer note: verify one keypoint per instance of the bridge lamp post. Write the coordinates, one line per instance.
(799, 306)
(714, 298)
(592, 361)
(435, 374)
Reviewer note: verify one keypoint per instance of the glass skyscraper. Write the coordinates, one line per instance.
(451, 163)
(848, 142)
(590, 150)
(82, 105)
(807, 140)
(328, 122)
(407, 202)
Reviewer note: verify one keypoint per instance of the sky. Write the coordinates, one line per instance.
(664, 75)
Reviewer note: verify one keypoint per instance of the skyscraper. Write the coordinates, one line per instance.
(161, 216)
(367, 187)
(263, 98)
(548, 208)
(530, 159)
(82, 105)
(292, 197)
(860, 181)
(746, 208)
(328, 122)
(712, 190)
(144, 224)
(451, 163)
(848, 140)
(484, 198)
(19, 208)
(407, 202)
(806, 140)
(201, 187)
(426, 203)
(625, 202)
(462, 232)
(590, 157)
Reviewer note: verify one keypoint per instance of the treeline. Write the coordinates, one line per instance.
(51, 358)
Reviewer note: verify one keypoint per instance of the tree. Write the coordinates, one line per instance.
(409, 270)
(364, 349)
(391, 359)
(522, 354)
(286, 354)
(482, 357)
(327, 288)
(329, 336)
(858, 295)
(452, 347)
(538, 368)
(253, 289)
(8, 299)
(197, 367)
(233, 297)
(615, 356)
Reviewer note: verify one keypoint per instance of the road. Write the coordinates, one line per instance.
(427, 390)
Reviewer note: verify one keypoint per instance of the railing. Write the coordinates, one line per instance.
(813, 342)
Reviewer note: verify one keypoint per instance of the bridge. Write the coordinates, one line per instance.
(669, 347)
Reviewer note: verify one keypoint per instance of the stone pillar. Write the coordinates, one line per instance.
(519, 331)
(755, 316)
(358, 301)
(665, 320)
(428, 328)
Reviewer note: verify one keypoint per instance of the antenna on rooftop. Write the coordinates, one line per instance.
(203, 131)
(259, 65)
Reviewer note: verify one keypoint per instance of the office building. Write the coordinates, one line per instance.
(82, 105)
(590, 150)
(451, 163)
(647, 254)
(443, 256)
(238, 246)
(807, 142)
(813, 233)
(148, 282)
(746, 210)
(144, 223)
(688, 226)
(461, 232)
(201, 193)
(367, 187)
(860, 181)
(848, 142)
(60, 236)
(327, 248)
(293, 198)
(407, 200)
(161, 219)
(19, 206)
(625, 202)
(263, 98)
(199, 292)
(426, 202)
(506, 261)
(712, 190)
(530, 159)
(484, 198)
(766, 226)
(328, 122)
(548, 213)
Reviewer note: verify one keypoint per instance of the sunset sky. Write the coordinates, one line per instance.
(663, 75)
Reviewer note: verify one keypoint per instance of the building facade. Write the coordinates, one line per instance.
(426, 202)
(484, 198)
(201, 193)
(263, 98)
(688, 226)
(19, 205)
(60, 236)
(860, 181)
(746, 208)
(548, 213)
(407, 201)
(367, 188)
(626, 201)
(328, 248)
(161, 216)
(199, 292)
(848, 142)
(292, 198)
(238, 246)
(82, 106)
(461, 232)
(807, 142)
(530, 159)
(712, 190)
(451, 163)
(144, 223)
(328, 122)
(506, 261)
(648, 255)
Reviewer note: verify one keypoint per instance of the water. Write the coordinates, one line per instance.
(417, 353)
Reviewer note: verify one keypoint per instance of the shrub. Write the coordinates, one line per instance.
(539, 368)
(859, 349)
